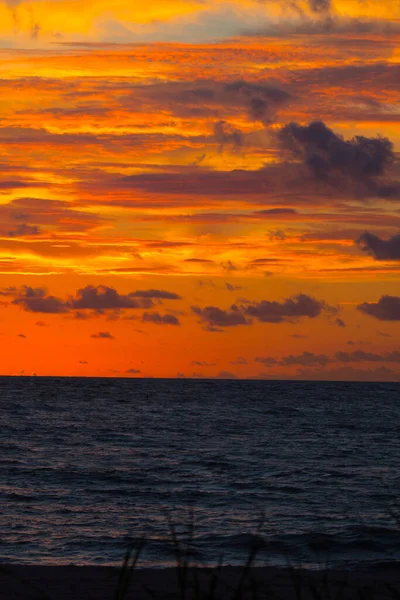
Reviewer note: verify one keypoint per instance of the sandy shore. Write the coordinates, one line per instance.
(18, 582)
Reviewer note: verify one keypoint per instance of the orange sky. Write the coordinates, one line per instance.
(200, 189)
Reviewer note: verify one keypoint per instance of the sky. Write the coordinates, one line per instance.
(200, 188)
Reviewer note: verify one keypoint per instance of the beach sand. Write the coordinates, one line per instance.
(19, 582)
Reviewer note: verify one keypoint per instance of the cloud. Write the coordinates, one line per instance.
(340, 323)
(291, 309)
(21, 335)
(102, 335)
(83, 362)
(158, 319)
(82, 316)
(262, 100)
(36, 300)
(99, 299)
(213, 99)
(239, 361)
(316, 6)
(198, 260)
(215, 317)
(380, 249)
(155, 294)
(133, 371)
(226, 134)
(267, 361)
(41, 324)
(199, 363)
(361, 356)
(28, 216)
(226, 375)
(228, 266)
(386, 309)
(232, 288)
(307, 359)
(347, 373)
(265, 311)
(325, 153)
(320, 5)
(24, 230)
(106, 298)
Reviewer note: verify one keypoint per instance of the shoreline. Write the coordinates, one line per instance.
(40, 582)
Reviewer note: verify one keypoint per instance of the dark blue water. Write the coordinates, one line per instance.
(88, 464)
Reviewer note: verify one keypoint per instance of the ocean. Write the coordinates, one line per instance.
(306, 472)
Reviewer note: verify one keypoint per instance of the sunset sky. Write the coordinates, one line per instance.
(200, 188)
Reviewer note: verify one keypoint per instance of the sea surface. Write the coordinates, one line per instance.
(305, 472)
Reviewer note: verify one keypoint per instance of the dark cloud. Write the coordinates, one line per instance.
(326, 23)
(226, 134)
(277, 212)
(82, 316)
(41, 324)
(209, 98)
(102, 335)
(9, 291)
(262, 100)
(215, 317)
(83, 362)
(307, 359)
(155, 294)
(158, 319)
(265, 311)
(327, 154)
(226, 375)
(267, 361)
(98, 299)
(239, 361)
(24, 230)
(340, 323)
(199, 181)
(381, 249)
(232, 288)
(199, 363)
(317, 6)
(26, 216)
(36, 300)
(347, 373)
(21, 335)
(320, 5)
(106, 298)
(288, 310)
(386, 309)
(133, 371)
(228, 266)
(361, 356)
